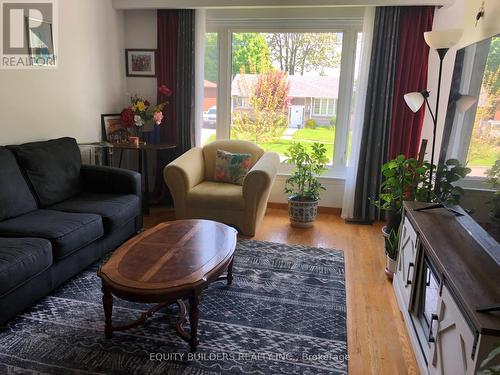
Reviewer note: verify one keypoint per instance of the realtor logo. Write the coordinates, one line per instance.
(28, 34)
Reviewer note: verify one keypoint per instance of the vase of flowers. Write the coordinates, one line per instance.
(140, 112)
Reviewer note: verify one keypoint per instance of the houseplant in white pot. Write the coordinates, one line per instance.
(303, 186)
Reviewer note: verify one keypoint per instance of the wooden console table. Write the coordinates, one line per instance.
(142, 150)
(448, 290)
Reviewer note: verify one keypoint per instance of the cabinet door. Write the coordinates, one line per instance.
(451, 352)
(406, 261)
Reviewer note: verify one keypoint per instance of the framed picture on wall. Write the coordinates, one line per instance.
(140, 62)
(112, 129)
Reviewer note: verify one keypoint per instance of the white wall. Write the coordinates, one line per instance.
(140, 32)
(89, 81)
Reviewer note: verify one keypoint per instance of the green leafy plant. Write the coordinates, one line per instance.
(443, 188)
(493, 179)
(303, 184)
(400, 177)
(392, 243)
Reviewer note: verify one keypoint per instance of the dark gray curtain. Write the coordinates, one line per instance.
(378, 113)
(185, 81)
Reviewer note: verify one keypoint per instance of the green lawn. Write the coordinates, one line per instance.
(320, 134)
(309, 136)
(483, 153)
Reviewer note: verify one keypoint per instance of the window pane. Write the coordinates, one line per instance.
(210, 89)
(285, 97)
(355, 84)
(484, 146)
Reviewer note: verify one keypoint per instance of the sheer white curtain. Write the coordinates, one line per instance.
(359, 109)
(199, 72)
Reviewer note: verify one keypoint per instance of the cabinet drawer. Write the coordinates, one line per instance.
(406, 261)
(451, 353)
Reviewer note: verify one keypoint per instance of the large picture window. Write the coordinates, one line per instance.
(277, 87)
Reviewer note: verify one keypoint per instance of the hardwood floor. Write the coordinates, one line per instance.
(377, 339)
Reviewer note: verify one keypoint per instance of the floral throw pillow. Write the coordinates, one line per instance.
(231, 168)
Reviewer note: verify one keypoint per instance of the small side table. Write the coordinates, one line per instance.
(142, 150)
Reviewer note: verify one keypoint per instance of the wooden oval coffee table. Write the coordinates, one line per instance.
(166, 264)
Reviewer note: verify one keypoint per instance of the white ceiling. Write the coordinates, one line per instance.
(180, 4)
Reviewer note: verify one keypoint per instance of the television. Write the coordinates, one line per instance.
(471, 134)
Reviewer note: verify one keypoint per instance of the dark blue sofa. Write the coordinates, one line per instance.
(57, 217)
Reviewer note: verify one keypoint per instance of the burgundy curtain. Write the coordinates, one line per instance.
(166, 69)
(410, 75)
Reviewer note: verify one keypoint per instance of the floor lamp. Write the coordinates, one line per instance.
(441, 41)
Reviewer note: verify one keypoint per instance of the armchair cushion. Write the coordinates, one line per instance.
(234, 146)
(216, 195)
(52, 167)
(231, 167)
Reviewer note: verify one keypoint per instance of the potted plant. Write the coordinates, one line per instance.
(303, 186)
(493, 179)
(391, 252)
(443, 189)
(400, 177)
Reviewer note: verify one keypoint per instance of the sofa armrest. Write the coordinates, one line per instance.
(181, 175)
(100, 179)
(186, 171)
(258, 181)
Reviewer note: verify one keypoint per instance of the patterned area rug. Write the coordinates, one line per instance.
(284, 314)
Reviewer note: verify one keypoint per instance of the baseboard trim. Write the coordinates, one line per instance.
(321, 209)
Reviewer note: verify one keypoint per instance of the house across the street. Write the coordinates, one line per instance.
(311, 97)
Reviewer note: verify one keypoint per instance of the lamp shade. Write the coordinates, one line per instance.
(465, 102)
(443, 38)
(414, 100)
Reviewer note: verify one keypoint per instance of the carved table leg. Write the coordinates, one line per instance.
(230, 272)
(107, 302)
(194, 315)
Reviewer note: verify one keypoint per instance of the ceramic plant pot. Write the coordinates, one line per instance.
(302, 213)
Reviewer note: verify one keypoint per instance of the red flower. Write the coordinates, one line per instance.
(147, 103)
(165, 91)
(127, 117)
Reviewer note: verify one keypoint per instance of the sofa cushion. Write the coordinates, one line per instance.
(66, 231)
(115, 209)
(52, 167)
(216, 195)
(15, 195)
(21, 259)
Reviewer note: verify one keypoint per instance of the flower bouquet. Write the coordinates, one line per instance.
(140, 111)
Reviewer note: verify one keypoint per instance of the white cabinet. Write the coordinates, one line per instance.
(453, 349)
(405, 271)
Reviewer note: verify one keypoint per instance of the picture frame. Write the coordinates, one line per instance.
(40, 42)
(140, 62)
(112, 129)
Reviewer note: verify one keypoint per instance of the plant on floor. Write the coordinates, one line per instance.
(303, 187)
(401, 176)
(493, 180)
(391, 251)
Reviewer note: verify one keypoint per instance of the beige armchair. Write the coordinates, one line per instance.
(190, 179)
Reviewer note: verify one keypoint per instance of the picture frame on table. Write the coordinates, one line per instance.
(140, 62)
(112, 129)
